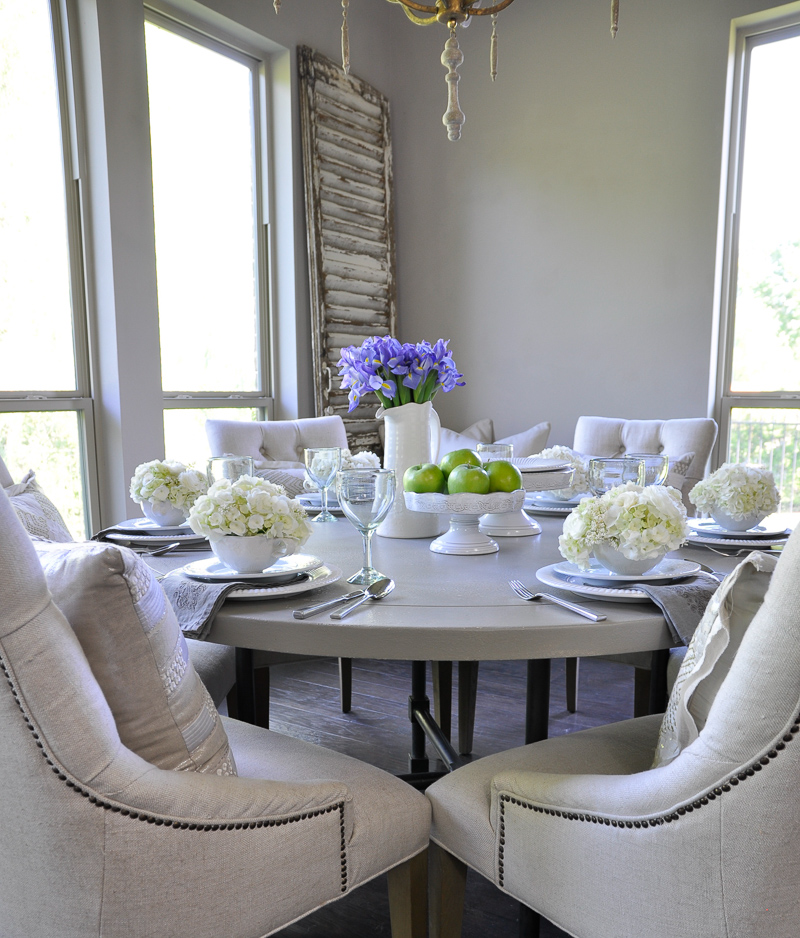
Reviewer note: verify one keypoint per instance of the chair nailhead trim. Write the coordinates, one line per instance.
(742, 776)
(100, 802)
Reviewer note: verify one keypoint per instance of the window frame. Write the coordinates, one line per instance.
(262, 399)
(80, 399)
(747, 32)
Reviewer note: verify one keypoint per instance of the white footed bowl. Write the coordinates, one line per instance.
(163, 513)
(252, 554)
(725, 521)
(614, 560)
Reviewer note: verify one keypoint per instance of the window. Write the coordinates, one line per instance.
(45, 402)
(758, 382)
(205, 118)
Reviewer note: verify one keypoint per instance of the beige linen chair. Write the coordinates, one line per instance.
(276, 447)
(215, 664)
(678, 438)
(583, 830)
(100, 841)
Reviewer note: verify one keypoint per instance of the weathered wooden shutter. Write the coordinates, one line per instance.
(347, 161)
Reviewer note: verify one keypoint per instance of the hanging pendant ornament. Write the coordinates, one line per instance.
(614, 18)
(277, 5)
(493, 49)
(345, 39)
(453, 118)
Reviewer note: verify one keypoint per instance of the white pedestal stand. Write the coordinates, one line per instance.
(464, 537)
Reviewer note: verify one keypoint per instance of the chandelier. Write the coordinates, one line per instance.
(451, 13)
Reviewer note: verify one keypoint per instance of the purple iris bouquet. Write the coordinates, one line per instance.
(398, 373)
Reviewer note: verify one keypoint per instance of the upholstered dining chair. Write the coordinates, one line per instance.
(688, 442)
(215, 664)
(668, 827)
(131, 808)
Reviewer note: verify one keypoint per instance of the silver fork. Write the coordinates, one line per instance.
(524, 593)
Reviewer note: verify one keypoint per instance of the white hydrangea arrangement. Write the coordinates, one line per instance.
(738, 490)
(363, 460)
(168, 482)
(248, 506)
(641, 522)
(580, 475)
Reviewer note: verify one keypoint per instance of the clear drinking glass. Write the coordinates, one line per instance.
(365, 496)
(322, 464)
(229, 467)
(490, 452)
(656, 467)
(607, 472)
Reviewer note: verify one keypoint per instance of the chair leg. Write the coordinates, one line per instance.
(346, 683)
(442, 673)
(467, 700)
(641, 692)
(572, 670)
(408, 897)
(448, 883)
(261, 684)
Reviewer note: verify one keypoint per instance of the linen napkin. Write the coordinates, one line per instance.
(683, 603)
(196, 602)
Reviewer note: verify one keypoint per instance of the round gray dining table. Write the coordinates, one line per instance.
(443, 608)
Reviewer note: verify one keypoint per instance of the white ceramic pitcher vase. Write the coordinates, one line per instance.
(412, 437)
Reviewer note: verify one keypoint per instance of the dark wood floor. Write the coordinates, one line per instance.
(305, 703)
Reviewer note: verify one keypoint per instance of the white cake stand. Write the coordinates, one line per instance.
(519, 523)
(464, 537)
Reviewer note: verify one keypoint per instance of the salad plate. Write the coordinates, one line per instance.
(144, 526)
(539, 464)
(213, 570)
(615, 594)
(186, 538)
(754, 543)
(551, 501)
(709, 528)
(312, 580)
(535, 507)
(667, 571)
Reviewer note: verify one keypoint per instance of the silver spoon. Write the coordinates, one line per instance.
(376, 590)
(158, 551)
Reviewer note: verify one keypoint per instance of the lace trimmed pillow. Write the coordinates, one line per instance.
(39, 516)
(710, 654)
(678, 468)
(290, 479)
(132, 640)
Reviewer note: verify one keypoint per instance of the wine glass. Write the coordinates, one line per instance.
(608, 472)
(656, 467)
(322, 464)
(365, 496)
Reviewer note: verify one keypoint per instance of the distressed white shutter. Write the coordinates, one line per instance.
(347, 162)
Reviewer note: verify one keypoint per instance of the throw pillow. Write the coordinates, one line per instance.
(39, 516)
(482, 431)
(131, 637)
(530, 441)
(262, 464)
(710, 654)
(291, 479)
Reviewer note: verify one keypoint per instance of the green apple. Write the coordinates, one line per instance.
(427, 477)
(459, 457)
(466, 478)
(503, 476)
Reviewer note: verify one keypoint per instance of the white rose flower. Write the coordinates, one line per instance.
(737, 489)
(171, 482)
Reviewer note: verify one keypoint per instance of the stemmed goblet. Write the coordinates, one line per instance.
(322, 464)
(607, 473)
(365, 496)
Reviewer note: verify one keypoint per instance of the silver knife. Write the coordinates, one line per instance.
(307, 611)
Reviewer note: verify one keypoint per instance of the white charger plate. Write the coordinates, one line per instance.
(316, 579)
(754, 543)
(144, 526)
(551, 502)
(618, 594)
(668, 570)
(534, 507)
(189, 539)
(709, 528)
(213, 570)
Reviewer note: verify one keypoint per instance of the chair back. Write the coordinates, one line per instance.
(276, 444)
(5, 475)
(613, 436)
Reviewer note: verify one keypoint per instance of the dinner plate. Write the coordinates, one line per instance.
(618, 594)
(147, 527)
(314, 580)
(709, 528)
(551, 501)
(539, 464)
(213, 570)
(535, 507)
(189, 538)
(754, 543)
(667, 571)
